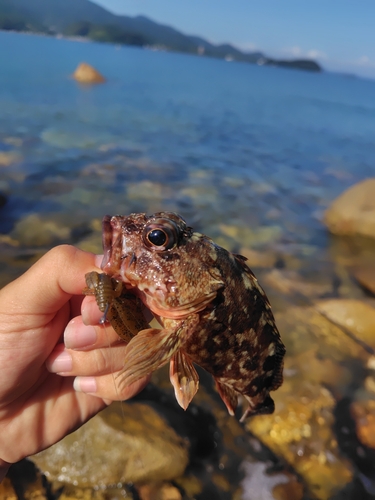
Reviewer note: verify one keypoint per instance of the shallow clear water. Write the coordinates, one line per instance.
(222, 143)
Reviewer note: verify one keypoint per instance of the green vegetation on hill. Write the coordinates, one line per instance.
(11, 20)
(104, 33)
(86, 19)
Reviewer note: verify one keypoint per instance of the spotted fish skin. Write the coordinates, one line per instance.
(212, 310)
(238, 341)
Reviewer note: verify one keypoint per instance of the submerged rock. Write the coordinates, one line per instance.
(353, 212)
(251, 237)
(87, 74)
(363, 412)
(365, 275)
(8, 158)
(258, 258)
(34, 231)
(289, 282)
(124, 443)
(159, 492)
(322, 363)
(301, 431)
(354, 316)
(7, 491)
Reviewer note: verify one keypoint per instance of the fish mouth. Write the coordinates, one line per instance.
(117, 256)
(106, 240)
(112, 245)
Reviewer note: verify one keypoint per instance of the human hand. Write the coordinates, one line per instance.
(38, 406)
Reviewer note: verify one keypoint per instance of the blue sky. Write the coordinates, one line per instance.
(340, 34)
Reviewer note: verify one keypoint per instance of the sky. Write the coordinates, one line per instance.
(339, 34)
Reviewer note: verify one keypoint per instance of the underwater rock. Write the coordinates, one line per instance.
(74, 493)
(147, 196)
(363, 412)
(252, 237)
(34, 231)
(321, 364)
(91, 243)
(159, 492)
(8, 158)
(289, 282)
(124, 443)
(219, 445)
(355, 316)
(73, 137)
(145, 190)
(300, 430)
(200, 195)
(353, 212)
(258, 258)
(7, 491)
(85, 73)
(365, 275)
(305, 328)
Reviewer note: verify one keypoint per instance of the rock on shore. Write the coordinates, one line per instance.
(353, 212)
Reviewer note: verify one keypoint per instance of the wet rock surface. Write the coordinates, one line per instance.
(355, 316)
(365, 275)
(199, 454)
(353, 212)
(153, 451)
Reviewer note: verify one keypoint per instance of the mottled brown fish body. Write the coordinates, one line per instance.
(238, 342)
(212, 310)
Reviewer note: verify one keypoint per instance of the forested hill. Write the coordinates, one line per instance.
(84, 18)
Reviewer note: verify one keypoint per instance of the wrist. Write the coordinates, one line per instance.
(4, 467)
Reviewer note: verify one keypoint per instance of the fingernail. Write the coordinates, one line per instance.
(62, 363)
(85, 384)
(78, 335)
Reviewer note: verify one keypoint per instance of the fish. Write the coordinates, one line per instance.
(212, 311)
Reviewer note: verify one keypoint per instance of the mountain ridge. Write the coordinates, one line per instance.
(87, 19)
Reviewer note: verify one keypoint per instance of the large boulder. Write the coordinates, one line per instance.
(87, 74)
(124, 443)
(353, 212)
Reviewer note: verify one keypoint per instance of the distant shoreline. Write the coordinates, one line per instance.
(299, 64)
(86, 20)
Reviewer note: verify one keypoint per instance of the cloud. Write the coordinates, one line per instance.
(365, 61)
(294, 51)
(316, 54)
(247, 46)
(297, 51)
(286, 52)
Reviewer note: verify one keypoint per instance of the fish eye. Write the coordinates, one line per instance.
(157, 237)
(160, 235)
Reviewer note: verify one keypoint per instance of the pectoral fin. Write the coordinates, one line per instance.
(184, 378)
(228, 395)
(147, 351)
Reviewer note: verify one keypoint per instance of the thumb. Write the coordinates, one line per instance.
(49, 283)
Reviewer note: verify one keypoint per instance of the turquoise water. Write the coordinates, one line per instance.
(222, 143)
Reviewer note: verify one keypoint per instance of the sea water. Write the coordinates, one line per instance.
(226, 144)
